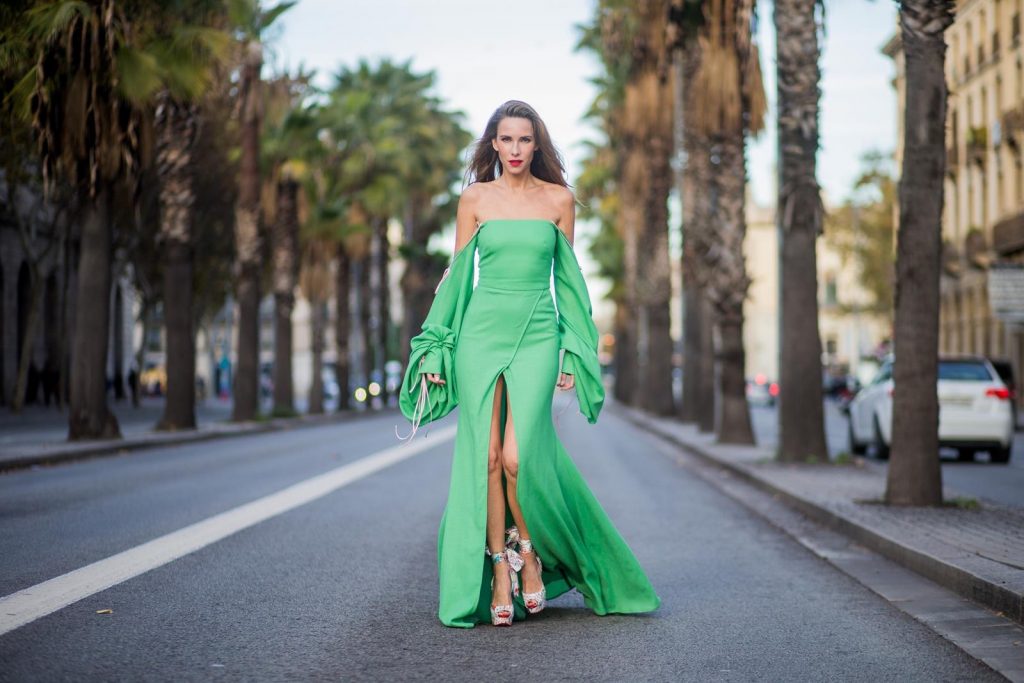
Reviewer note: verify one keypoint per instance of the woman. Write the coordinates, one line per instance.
(517, 508)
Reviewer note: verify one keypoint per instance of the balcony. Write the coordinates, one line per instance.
(1012, 123)
(977, 144)
(976, 251)
(1008, 235)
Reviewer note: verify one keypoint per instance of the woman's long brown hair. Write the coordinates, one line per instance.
(547, 162)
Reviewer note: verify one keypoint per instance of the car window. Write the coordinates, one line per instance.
(964, 371)
(1004, 370)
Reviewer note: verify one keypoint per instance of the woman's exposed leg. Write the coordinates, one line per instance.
(531, 580)
(496, 502)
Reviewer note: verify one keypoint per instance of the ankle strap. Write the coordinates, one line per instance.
(525, 545)
(497, 557)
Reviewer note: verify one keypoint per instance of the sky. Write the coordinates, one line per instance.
(484, 53)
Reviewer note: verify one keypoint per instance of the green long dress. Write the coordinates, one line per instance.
(509, 324)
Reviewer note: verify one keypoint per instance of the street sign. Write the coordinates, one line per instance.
(1006, 291)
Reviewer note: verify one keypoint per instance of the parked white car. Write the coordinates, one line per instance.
(975, 410)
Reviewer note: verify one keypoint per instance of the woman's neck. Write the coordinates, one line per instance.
(517, 183)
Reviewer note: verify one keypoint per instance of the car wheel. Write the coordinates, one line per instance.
(881, 447)
(965, 454)
(855, 447)
(1000, 455)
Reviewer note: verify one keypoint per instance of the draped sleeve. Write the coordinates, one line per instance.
(433, 349)
(576, 330)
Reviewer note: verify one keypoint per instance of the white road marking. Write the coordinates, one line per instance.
(29, 604)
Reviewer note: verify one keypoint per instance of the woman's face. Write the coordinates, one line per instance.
(515, 144)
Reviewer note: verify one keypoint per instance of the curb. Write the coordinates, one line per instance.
(85, 450)
(952, 577)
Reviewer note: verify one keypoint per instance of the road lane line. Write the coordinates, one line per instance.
(29, 604)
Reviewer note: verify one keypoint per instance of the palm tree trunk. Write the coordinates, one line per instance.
(801, 413)
(367, 306)
(728, 287)
(66, 324)
(625, 353)
(90, 417)
(700, 389)
(384, 307)
(177, 129)
(286, 247)
(915, 477)
(629, 384)
(691, 193)
(655, 278)
(343, 327)
(319, 327)
(28, 337)
(707, 389)
(247, 242)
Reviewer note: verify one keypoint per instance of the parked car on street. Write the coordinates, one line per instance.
(974, 410)
(761, 392)
(1005, 370)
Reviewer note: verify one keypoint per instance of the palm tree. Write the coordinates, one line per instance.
(186, 57)
(632, 42)
(87, 107)
(177, 126)
(731, 96)
(697, 403)
(602, 180)
(315, 282)
(290, 146)
(647, 181)
(250, 21)
(392, 152)
(800, 217)
(914, 476)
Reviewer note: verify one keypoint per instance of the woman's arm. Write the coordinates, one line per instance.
(567, 212)
(465, 227)
(567, 224)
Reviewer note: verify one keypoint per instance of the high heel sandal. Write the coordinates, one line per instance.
(501, 615)
(534, 602)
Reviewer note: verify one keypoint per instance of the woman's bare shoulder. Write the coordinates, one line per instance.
(473, 192)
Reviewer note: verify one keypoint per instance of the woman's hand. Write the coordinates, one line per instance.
(435, 378)
(565, 381)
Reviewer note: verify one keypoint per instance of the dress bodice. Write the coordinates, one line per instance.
(516, 253)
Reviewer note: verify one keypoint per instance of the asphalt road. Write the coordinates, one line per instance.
(344, 587)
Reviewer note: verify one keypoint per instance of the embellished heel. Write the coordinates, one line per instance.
(536, 601)
(501, 615)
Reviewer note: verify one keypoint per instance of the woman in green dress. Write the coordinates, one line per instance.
(518, 511)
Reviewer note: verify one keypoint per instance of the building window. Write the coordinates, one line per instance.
(831, 298)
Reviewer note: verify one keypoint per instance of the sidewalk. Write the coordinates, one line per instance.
(38, 436)
(977, 552)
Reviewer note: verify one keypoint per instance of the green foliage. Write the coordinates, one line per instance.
(964, 503)
(389, 145)
(862, 229)
(250, 20)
